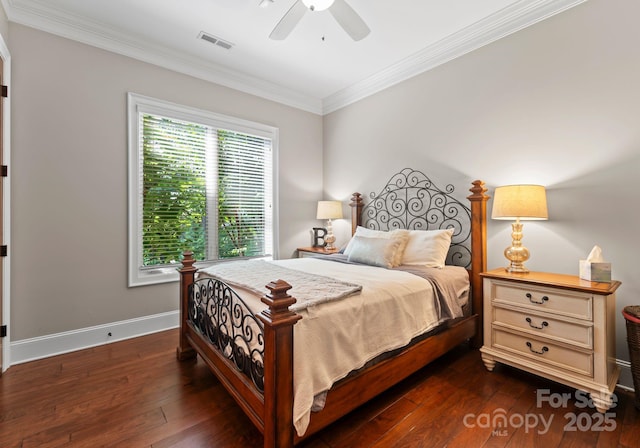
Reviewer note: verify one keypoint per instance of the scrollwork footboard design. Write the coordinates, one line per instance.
(219, 314)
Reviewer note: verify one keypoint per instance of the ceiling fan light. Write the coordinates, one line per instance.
(318, 5)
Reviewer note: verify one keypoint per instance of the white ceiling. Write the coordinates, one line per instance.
(318, 68)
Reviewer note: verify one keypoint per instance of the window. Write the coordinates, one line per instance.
(197, 181)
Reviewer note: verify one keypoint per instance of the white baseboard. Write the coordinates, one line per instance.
(55, 344)
(626, 377)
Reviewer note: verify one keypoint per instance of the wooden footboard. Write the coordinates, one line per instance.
(270, 409)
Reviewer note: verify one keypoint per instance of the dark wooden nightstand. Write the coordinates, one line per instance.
(310, 251)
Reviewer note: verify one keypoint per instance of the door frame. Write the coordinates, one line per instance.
(5, 299)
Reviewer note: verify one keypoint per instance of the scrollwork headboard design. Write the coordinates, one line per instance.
(410, 200)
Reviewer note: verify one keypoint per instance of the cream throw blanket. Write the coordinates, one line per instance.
(309, 289)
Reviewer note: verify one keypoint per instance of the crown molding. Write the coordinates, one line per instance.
(508, 20)
(42, 17)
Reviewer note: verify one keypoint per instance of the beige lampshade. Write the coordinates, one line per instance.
(526, 202)
(329, 210)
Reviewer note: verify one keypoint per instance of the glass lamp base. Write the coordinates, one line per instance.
(514, 269)
(330, 239)
(517, 255)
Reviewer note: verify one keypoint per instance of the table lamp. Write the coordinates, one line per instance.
(329, 210)
(519, 202)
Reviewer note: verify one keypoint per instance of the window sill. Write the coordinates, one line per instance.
(145, 277)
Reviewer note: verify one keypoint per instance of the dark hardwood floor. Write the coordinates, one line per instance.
(136, 394)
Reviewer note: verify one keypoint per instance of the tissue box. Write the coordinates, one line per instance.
(595, 272)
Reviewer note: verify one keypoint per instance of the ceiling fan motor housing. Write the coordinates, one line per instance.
(344, 14)
(318, 5)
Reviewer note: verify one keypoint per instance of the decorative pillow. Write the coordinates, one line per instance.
(401, 235)
(427, 248)
(373, 251)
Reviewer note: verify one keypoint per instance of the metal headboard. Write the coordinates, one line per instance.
(411, 201)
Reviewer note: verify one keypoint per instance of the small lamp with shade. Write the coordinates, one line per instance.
(329, 210)
(519, 202)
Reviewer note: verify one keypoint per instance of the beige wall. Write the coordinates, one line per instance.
(557, 103)
(69, 179)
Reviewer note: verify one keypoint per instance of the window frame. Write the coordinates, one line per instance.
(140, 104)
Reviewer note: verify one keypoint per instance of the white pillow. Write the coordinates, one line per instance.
(373, 251)
(400, 234)
(427, 248)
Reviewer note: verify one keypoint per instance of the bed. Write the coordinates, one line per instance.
(252, 352)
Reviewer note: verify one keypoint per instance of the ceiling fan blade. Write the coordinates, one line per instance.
(349, 20)
(288, 21)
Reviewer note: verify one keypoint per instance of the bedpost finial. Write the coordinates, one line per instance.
(278, 301)
(356, 198)
(187, 259)
(278, 288)
(478, 191)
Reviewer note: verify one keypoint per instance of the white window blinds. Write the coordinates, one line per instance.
(201, 186)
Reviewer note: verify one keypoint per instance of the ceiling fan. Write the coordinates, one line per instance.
(344, 14)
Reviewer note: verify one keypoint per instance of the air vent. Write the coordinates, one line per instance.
(215, 40)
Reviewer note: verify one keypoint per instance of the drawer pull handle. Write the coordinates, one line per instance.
(544, 349)
(544, 324)
(530, 297)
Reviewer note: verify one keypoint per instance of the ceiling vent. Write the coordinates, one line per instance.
(215, 40)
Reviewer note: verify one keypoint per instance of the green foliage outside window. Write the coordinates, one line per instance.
(175, 209)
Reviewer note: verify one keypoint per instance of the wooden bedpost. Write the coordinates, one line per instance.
(187, 275)
(478, 252)
(278, 365)
(356, 211)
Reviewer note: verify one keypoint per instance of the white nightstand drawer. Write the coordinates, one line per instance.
(302, 254)
(572, 304)
(580, 334)
(544, 352)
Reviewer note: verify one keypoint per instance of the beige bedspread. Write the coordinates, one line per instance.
(334, 338)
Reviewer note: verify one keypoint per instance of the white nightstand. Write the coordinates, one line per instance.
(557, 326)
(311, 251)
